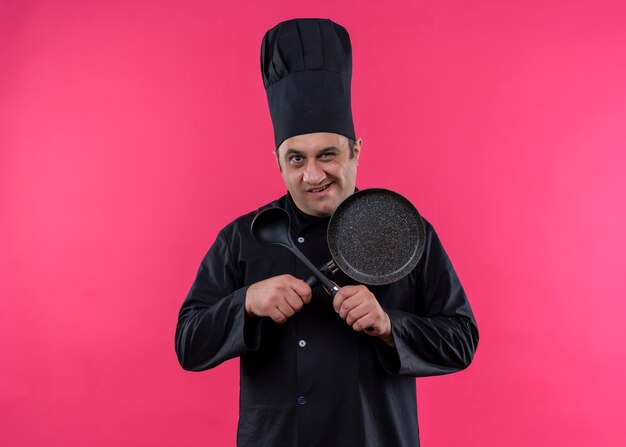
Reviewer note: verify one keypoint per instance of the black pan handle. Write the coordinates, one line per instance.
(328, 269)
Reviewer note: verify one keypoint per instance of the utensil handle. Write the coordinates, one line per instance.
(312, 281)
(327, 269)
(331, 287)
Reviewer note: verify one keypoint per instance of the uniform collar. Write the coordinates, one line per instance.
(301, 221)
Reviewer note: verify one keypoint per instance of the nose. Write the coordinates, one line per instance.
(313, 173)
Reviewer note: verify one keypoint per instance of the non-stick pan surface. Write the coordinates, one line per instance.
(376, 236)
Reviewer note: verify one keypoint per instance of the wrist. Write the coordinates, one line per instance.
(246, 305)
(387, 335)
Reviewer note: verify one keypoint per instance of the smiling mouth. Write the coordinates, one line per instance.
(323, 188)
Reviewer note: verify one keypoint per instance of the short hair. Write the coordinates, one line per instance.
(351, 144)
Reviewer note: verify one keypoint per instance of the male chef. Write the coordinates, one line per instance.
(318, 371)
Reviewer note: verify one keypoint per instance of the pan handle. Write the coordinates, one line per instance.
(312, 281)
(328, 269)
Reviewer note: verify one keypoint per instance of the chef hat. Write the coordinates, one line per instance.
(307, 68)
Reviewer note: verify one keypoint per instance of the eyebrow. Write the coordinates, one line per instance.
(321, 151)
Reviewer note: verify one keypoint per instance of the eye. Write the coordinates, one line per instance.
(296, 159)
(327, 156)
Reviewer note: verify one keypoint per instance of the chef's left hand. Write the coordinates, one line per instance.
(359, 307)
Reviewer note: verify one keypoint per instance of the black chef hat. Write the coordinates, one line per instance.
(307, 67)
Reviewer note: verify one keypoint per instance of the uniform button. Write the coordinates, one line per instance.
(301, 239)
(301, 400)
(302, 343)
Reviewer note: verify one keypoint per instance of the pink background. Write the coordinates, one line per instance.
(131, 132)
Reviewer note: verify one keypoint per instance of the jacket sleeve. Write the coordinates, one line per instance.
(441, 335)
(212, 326)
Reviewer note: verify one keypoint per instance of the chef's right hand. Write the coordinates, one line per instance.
(278, 298)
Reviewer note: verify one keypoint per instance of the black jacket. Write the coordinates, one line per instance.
(313, 381)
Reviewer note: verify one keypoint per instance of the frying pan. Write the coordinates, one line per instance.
(375, 236)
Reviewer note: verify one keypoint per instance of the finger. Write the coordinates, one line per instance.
(367, 323)
(308, 292)
(284, 308)
(338, 300)
(347, 306)
(276, 315)
(353, 302)
(294, 300)
(301, 288)
(357, 313)
(341, 296)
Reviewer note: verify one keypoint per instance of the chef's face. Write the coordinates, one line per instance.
(319, 170)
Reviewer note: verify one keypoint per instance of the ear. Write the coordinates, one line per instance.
(357, 148)
(277, 160)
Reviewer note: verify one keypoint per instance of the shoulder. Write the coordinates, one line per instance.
(241, 225)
